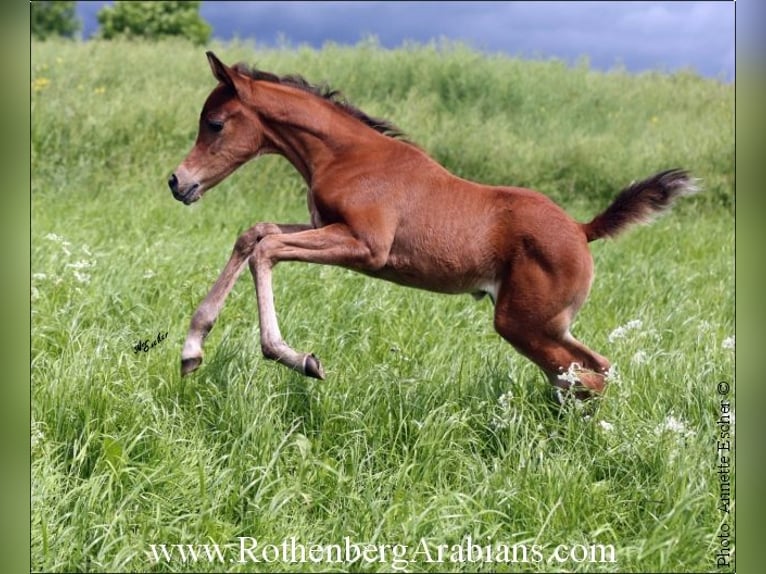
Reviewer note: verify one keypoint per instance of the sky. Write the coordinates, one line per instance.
(639, 36)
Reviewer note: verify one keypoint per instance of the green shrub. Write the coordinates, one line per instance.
(53, 19)
(154, 20)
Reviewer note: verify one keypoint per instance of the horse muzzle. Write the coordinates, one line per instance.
(187, 194)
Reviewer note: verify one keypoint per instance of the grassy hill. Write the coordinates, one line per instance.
(430, 430)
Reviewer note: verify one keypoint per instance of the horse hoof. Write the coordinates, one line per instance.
(312, 367)
(190, 365)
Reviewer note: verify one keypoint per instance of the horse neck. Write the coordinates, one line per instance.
(307, 130)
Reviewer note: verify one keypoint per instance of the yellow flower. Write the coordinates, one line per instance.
(39, 84)
(99, 90)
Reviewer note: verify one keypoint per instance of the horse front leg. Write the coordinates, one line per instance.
(331, 245)
(206, 314)
(272, 344)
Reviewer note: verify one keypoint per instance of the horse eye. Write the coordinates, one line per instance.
(215, 125)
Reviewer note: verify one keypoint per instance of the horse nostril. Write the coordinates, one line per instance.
(173, 183)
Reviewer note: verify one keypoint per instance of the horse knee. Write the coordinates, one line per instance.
(247, 241)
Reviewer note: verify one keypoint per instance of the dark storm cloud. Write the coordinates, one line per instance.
(640, 36)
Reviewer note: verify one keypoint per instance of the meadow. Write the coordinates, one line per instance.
(429, 430)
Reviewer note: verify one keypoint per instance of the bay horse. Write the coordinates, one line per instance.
(380, 205)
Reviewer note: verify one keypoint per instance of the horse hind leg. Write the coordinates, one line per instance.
(566, 362)
(588, 371)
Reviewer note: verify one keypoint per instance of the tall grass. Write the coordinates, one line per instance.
(429, 427)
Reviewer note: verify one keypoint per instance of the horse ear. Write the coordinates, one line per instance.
(220, 70)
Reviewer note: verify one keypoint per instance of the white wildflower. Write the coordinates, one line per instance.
(499, 423)
(39, 276)
(503, 419)
(674, 425)
(570, 375)
(639, 358)
(505, 400)
(58, 239)
(82, 277)
(622, 331)
(36, 435)
(728, 343)
(607, 426)
(148, 274)
(566, 397)
(35, 294)
(82, 264)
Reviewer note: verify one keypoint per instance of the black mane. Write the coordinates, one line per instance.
(325, 92)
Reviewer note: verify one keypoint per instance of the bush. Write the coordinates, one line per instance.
(154, 20)
(53, 19)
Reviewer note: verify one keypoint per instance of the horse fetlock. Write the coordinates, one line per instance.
(273, 351)
(306, 364)
(580, 382)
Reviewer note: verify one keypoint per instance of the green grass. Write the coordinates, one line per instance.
(429, 426)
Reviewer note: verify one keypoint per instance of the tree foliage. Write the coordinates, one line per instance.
(154, 20)
(53, 19)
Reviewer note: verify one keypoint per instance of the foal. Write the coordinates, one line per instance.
(382, 206)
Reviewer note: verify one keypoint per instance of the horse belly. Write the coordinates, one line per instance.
(441, 268)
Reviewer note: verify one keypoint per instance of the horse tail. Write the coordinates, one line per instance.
(640, 202)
